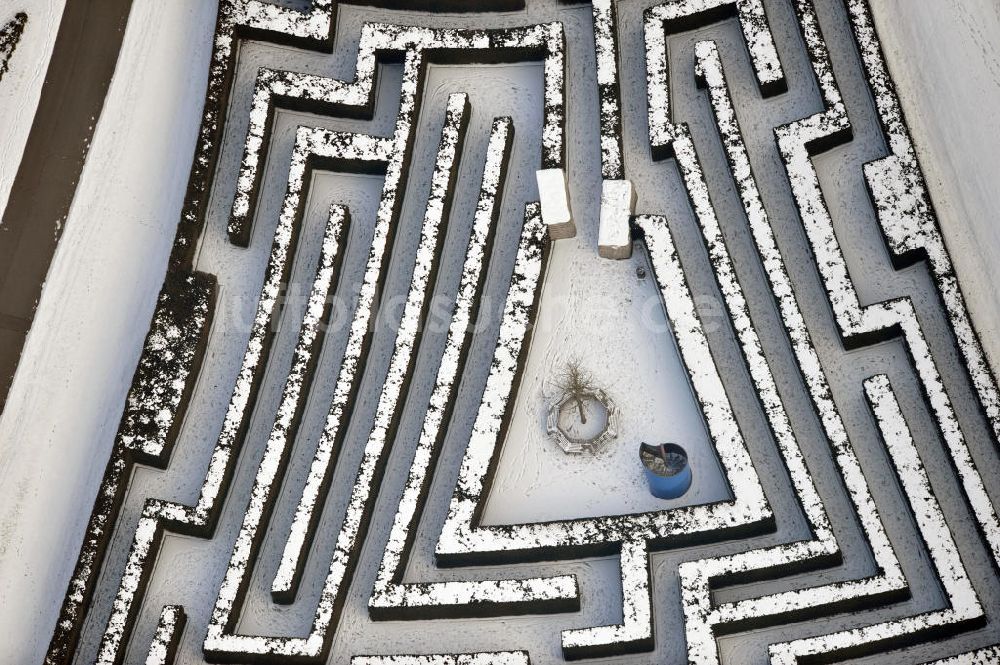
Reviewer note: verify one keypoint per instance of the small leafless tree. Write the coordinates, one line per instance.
(578, 384)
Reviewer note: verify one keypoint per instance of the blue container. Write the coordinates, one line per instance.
(667, 470)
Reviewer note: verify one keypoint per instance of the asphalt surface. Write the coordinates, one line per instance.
(76, 83)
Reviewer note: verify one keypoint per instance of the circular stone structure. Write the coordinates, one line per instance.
(667, 470)
(574, 435)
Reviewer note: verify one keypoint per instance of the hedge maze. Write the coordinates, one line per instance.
(861, 520)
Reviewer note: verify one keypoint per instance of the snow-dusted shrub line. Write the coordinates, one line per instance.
(279, 443)
(154, 408)
(698, 578)
(359, 149)
(258, 20)
(304, 522)
(695, 577)
(172, 351)
(313, 28)
(908, 226)
(10, 35)
(635, 633)
(167, 637)
(391, 598)
(963, 606)
(276, 89)
(904, 214)
(222, 640)
(673, 16)
(605, 14)
(200, 519)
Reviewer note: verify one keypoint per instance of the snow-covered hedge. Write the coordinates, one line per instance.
(10, 35)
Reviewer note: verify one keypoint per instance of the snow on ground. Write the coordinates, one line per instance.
(78, 361)
(600, 312)
(22, 84)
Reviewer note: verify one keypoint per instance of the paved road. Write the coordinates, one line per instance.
(83, 62)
